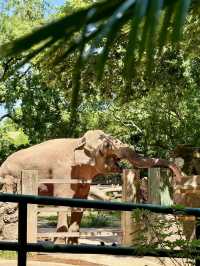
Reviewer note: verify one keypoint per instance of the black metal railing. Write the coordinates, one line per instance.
(22, 247)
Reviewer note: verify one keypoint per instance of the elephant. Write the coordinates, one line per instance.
(95, 153)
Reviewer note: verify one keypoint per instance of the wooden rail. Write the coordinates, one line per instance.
(59, 209)
(64, 181)
(30, 183)
(89, 234)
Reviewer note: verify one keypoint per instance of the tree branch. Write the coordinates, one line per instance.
(6, 66)
(9, 116)
(128, 124)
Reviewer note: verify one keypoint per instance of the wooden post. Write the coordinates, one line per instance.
(158, 187)
(154, 185)
(129, 193)
(30, 187)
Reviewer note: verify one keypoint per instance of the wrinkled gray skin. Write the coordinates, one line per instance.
(93, 154)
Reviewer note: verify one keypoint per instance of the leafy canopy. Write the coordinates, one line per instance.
(150, 24)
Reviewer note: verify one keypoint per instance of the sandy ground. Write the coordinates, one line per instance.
(110, 260)
(43, 259)
(33, 263)
(91, 260)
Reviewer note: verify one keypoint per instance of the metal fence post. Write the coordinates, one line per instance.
(197, 262)
(22, 234)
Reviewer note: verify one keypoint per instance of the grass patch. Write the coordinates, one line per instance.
(101, 219)
(12, 255)
(7, 254)
(95, 220)
(91, 219)
(50, 220)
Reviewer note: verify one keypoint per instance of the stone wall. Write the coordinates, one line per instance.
(8, 220)
(188, 194)
(9, 210)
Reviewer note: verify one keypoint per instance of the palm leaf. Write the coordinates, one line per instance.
(139, 11)
(58, 29)
(155, 9)
(105, 10)
(108, 17)
(77, 73)
(179, 18)
(164, 32)
(110, 31)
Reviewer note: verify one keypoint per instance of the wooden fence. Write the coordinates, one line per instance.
(130, 193)
(29, 186)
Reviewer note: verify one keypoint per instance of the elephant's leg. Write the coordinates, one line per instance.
(62, 226)
(75, 222)
(62, 223)
(82, 191)
(62, 190)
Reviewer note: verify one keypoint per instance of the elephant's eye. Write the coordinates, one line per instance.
(101, 153)
(107, 145)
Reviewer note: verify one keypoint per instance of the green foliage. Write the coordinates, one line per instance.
(101, 219)
(95, 220)
(154, 232)
(8, 255)
(107, 18)
(19, 17)
(12, 138)
(153, 113)
(17, 137)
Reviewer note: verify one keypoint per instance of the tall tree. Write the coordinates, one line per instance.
(148, 26)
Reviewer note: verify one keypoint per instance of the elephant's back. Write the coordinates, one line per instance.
(46, 150)
(44, 157)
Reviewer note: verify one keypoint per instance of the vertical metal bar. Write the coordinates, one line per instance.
(22, 234)
(197, 262)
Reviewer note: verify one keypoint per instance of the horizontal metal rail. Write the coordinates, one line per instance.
(97, 204)
(95, 249)
(22, 247)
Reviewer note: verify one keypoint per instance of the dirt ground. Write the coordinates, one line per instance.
(43, 259)
(69, 259)
(91, 260)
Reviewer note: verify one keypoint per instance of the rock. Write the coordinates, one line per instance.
(11, 218)
(2, 204)
(1, 223)
(2, 210)
(11, 208)
(10, 231)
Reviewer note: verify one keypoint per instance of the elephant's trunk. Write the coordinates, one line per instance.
(142, 162)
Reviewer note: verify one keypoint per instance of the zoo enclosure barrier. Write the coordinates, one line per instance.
(30, 181)
(22, 247)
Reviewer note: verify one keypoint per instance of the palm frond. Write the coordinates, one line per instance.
(179, 18)
(111, 30)
(105, 15)
(153, 23)
(169, 11)
(130, 57)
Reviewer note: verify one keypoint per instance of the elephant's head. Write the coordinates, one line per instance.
(100, 151)
(104, 152)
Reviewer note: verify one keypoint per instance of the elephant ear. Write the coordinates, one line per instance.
(83, 154)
